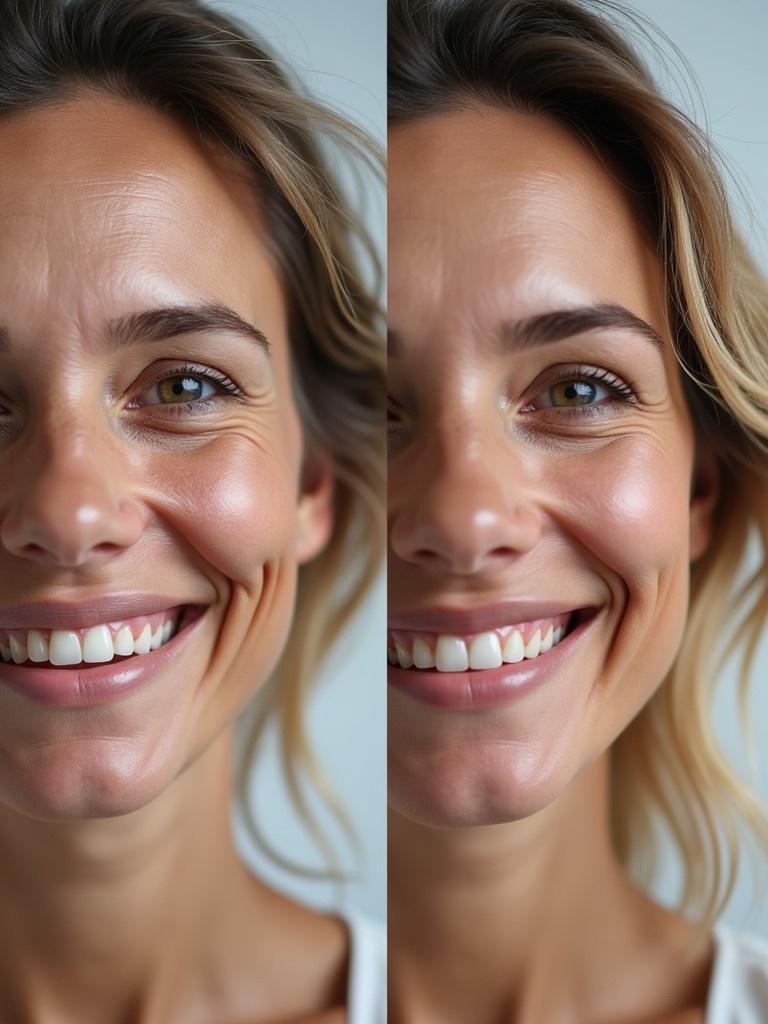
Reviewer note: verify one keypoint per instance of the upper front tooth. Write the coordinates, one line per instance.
(422, 654)
(97, 645)
(485, 651)
(18, 649)
(533, 647)
(65, 648)
(451, 654)
(37, 646)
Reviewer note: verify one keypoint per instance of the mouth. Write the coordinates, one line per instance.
(485, 670)
(116, 641)
(490, 649)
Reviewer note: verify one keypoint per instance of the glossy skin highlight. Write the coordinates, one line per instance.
(505, 895)
(106, 489)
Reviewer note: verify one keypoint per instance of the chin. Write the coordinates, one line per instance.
(80, 780)
(482, 785)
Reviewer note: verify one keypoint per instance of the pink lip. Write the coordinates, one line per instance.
(463, 691)
(478, 620)
(93, 612)
(85, 685)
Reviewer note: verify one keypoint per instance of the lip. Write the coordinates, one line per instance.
(90, 612)
(480, 619)
(86, 685)
(487, 688)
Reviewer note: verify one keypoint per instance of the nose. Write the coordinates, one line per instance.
(68, 504)
(467, 510)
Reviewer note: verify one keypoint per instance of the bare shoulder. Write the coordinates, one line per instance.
(287, 961)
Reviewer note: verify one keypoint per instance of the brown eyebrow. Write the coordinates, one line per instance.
(159, 324)
(559, 324)
(565, 323)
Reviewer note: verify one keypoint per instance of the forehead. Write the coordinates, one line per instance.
(105, 203)
(495, 212)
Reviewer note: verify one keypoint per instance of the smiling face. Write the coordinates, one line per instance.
(541, 460)
(155, 455)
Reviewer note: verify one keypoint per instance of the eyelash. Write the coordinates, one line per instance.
(621, 391)
(202, 372)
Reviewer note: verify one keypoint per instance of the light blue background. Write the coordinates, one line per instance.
(725, 44)
(338, 48)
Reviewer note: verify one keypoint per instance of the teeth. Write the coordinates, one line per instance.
(422, 654)
(64, 648)
(451, 654)
(124, 642)
(549, 639)
(485, 651)
(514, 648)
(37, 646)
(97, 645)
(18, 650)
(91, 646)
(533, 647)
(143, 643)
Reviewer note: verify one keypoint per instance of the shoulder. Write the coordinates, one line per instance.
(739, 988)
(366, 995)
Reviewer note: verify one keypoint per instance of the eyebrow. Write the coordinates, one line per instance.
(559, 324)
(161, 324)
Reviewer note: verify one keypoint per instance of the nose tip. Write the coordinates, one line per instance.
(70, 516)
(464, 538)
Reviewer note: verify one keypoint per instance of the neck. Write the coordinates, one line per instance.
(108, 914)
(525, 919)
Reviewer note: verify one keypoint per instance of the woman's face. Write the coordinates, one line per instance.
(541, 466)
(151, 458)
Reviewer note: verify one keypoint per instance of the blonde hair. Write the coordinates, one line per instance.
(563, 59)
(211, 73)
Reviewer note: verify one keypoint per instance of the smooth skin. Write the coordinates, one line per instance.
(506, 897)
(124, 899)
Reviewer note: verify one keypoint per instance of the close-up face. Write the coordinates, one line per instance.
(546, 493)
(150, 451)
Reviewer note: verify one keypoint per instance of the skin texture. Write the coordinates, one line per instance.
(122, 894)
(495, 216)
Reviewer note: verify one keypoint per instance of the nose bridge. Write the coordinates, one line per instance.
(70, 499)
(473, 506)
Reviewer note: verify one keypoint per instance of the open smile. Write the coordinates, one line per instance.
(75, 665)
(486, 668)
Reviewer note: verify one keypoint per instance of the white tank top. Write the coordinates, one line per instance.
(367, 988)
(738, 991)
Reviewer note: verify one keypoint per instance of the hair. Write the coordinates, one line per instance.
(210, 73)
(567, 60)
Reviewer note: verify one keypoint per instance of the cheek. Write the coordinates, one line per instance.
(629, 506)
(234, 502)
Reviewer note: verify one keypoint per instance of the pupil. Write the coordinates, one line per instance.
(577, 392)
(176, 388)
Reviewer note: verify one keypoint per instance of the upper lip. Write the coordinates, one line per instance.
(93, 611)
(442, 619)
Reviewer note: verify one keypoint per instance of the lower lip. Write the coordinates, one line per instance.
(485, 688)
(96, 684)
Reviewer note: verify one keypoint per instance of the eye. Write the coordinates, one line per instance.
(585, 387)
(187, 385)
